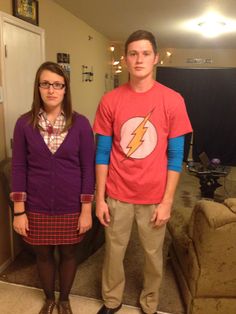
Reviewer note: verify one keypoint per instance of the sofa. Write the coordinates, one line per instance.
(203, 255)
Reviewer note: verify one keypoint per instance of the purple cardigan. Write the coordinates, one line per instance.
(53, 182)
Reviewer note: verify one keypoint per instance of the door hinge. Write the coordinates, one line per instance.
(5, 51)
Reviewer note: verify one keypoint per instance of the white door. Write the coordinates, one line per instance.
(23, 52)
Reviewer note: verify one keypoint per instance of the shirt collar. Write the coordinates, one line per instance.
(44, 114)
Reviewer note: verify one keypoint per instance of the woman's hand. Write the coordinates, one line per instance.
(20, 224)
(85, 218)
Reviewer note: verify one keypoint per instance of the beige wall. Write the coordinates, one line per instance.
(6, 6)
(66, 33)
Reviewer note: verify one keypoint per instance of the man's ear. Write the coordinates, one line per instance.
(156, 58)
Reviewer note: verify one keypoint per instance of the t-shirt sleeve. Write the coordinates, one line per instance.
(103, 119)
(179, 119)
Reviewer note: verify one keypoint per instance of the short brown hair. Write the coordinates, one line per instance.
(139, 35)
(37, 100)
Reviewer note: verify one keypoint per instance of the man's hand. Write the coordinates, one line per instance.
(20, 224)
(161, 214)
(102, 212)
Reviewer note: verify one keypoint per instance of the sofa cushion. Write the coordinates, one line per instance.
(231, 204)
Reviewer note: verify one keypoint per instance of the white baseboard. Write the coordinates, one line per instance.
(4, 265)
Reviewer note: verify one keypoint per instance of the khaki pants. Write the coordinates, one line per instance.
(117, 237)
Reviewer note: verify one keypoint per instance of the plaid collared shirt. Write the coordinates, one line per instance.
(52, 134)
(53, 138)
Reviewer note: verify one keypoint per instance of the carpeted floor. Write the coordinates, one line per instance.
(88, 278)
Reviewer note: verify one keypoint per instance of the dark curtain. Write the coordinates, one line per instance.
(210, 96)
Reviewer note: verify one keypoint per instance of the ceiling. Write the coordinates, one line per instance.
(167, 19)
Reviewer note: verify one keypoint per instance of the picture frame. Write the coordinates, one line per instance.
(26, 10)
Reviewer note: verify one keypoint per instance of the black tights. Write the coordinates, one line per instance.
(47, 269)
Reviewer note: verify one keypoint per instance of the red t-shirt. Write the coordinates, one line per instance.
(140, 124)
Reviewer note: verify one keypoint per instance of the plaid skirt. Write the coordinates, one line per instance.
(52, 229)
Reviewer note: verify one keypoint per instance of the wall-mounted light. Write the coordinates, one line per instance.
(167, 58)
(118, 69)
(115, 62)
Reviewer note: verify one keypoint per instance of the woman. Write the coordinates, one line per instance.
(53, 181)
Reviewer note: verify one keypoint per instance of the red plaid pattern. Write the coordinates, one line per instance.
(53, 230)
(86, 198)
(18, 196)
(52, 134)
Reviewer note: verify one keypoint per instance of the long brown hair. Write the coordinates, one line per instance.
(37, 100)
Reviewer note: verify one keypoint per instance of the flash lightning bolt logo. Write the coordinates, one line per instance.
(138, 135)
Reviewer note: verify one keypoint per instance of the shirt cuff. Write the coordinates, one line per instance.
(86, 198)
(18, 196)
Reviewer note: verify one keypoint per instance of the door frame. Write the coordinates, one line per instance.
(7, 18)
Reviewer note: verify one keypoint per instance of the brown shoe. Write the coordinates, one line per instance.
(64, 307)
(48, 307)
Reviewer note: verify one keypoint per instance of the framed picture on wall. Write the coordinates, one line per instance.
(26, 10)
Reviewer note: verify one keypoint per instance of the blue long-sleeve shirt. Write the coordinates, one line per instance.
(175, 151)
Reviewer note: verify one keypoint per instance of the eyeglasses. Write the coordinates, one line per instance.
(55, 85)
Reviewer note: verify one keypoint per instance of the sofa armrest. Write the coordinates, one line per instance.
(216, 214)
(212, 229)
(231, 204)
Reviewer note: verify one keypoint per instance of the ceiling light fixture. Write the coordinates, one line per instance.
(211, 25)
(212, 28)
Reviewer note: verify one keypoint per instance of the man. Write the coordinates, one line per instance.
(140, 128)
